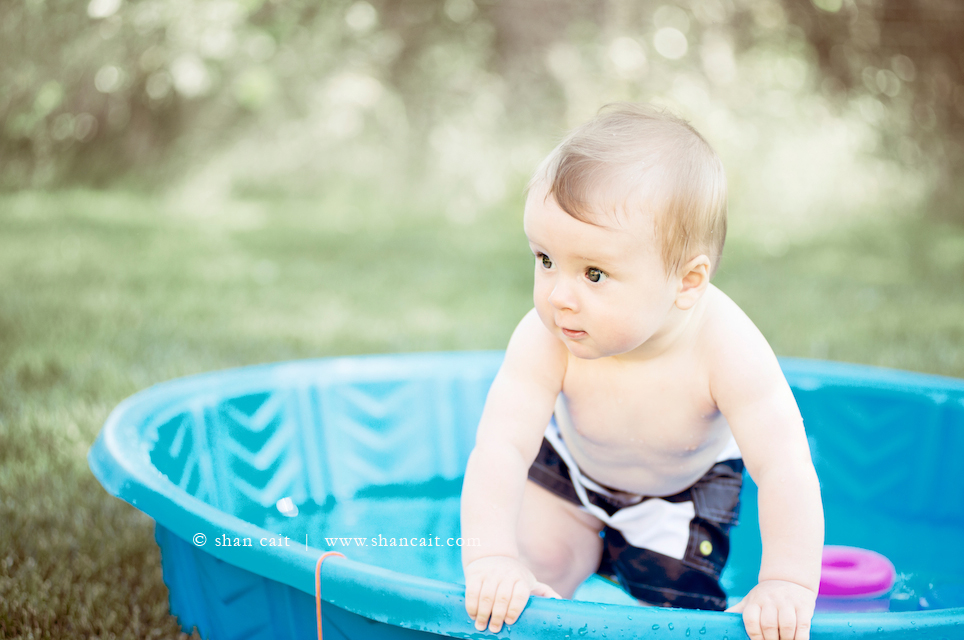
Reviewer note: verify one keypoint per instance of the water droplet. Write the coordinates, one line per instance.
(880, 629)
(687, 632)
(850, 624)
(655, 627)
(670, 625)
(703, 630)
(630, 617)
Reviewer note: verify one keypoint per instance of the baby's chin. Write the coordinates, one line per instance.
(587, 349)
(584, 351)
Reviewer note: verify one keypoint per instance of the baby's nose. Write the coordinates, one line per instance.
(562, 297)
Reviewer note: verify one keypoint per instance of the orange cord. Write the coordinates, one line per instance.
(318, 585)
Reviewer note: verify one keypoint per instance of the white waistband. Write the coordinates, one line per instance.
(580, 482)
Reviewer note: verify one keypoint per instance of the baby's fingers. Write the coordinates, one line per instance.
(486, 601)
(770, 622)
(803, 624)
(502, 598)
(751, 620)
(788, 623)
(472, 589)
(520, 596)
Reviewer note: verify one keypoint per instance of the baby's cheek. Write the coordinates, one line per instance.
(627, 334)
(540, 294)
(545, 314)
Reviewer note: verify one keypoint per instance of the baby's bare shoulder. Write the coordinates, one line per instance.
(725, 323)
(730, 340)
(533, 352)
(740, 362)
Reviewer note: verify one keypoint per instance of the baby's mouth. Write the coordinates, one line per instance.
(573, 334)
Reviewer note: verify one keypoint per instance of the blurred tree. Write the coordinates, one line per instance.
(81, 98)
(454, 54)
(273, 94)
(905, 56)
(96, 90)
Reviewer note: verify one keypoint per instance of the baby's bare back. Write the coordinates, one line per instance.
(649, 427)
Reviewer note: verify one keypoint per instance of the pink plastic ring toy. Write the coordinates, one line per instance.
(849, 572)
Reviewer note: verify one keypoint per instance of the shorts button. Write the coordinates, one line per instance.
(706, 547)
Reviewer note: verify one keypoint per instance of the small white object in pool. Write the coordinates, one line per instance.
(287, 507)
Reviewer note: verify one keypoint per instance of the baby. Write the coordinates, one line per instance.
(656, 389)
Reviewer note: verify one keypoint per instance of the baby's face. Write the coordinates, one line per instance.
(602, 290)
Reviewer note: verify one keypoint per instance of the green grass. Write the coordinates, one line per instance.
(103, 294)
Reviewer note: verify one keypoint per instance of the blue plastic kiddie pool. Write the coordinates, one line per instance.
(251, 474)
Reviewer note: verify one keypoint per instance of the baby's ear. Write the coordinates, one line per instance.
(694, 278)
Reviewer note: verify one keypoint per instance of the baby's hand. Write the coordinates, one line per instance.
(777, 609)
(499, 586)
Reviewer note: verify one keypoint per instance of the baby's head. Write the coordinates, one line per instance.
(632, 159)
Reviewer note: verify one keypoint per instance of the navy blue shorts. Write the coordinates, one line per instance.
(676, 547)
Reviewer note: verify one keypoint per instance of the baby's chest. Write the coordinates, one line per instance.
(665, 409)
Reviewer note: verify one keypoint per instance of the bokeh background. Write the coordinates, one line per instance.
(188, 185)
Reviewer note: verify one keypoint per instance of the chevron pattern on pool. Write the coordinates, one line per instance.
(874, 450)
(314, 443)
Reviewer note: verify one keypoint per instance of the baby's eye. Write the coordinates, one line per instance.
(546, 260)
(595, 275)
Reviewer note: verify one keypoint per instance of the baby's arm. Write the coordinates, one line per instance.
(751, 391)
(517, 410)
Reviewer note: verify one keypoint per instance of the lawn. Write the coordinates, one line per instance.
(105, 293)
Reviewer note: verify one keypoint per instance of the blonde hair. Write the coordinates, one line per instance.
(627, 147)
